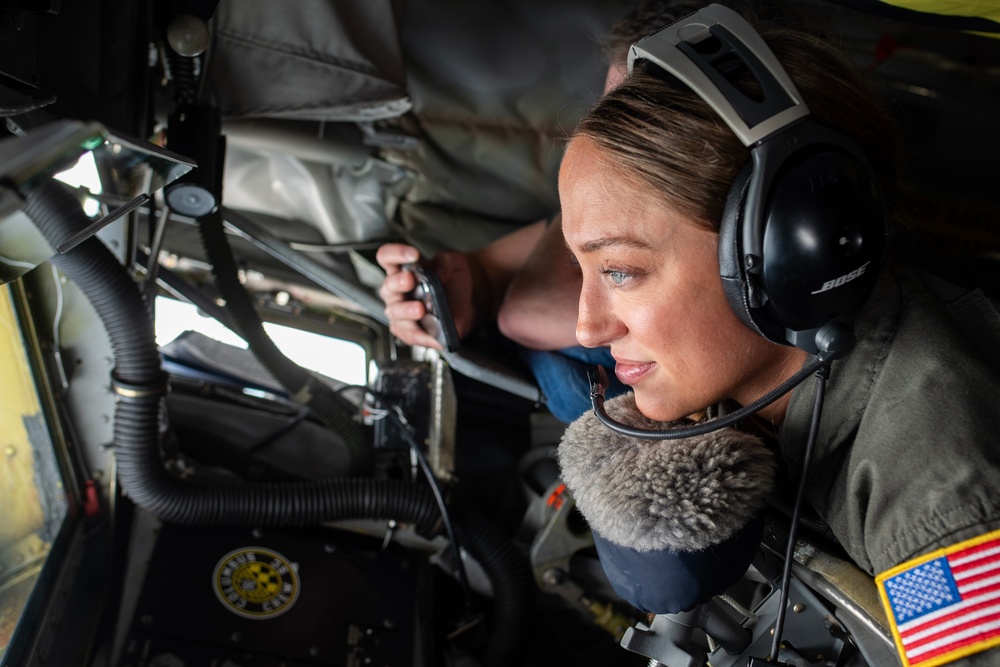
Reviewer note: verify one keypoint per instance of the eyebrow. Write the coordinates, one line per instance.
(629, 241)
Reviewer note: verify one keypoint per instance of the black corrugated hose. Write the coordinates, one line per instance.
(331, 409)
(141, 384)
(513, 584)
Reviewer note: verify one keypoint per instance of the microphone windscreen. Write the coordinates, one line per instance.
(687, 507)
(667, 581)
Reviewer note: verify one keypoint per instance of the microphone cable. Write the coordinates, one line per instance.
(822, 374)
(390, 411)
(598, 379)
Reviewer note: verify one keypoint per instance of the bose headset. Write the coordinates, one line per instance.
(805, 225)
(804, 230)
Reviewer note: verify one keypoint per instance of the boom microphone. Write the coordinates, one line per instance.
(598, 379)
(674, 523)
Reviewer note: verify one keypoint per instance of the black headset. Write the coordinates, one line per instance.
(805, 226)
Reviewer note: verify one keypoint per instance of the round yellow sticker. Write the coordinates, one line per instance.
(256, 583)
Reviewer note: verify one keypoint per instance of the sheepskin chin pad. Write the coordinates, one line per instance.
(652, 495)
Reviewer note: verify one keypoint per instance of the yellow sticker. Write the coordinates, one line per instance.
(256, 583)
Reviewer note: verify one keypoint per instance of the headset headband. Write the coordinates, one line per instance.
(676, 49)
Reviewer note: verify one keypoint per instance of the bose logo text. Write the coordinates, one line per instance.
(846, 278)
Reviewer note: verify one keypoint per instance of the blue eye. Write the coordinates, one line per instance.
(618, 277)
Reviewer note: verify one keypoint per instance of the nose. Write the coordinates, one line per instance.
(597, 324)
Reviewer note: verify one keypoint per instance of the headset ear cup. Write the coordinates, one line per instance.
(731, 267)
(823, 229)
(824, 241)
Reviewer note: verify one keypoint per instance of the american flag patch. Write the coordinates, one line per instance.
(945, 605)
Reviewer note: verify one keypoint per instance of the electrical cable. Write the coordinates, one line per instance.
(56, 324)
(391, 411)
(786, 575)
(285, 428)
(150, 287)
(303, 246)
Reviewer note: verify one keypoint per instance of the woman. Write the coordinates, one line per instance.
(905, 462)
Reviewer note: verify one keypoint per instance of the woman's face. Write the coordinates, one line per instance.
(652, 293)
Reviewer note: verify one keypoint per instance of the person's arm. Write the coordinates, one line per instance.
(526, 280)
(539, 309)
(475, 282)
(497, 264)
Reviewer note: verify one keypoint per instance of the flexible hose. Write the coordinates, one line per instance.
(333, 410)
(513, 585)
(140, 383)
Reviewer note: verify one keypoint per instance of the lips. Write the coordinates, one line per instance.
(630, 372)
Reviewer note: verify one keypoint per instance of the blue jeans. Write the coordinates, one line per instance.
(562, 377)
